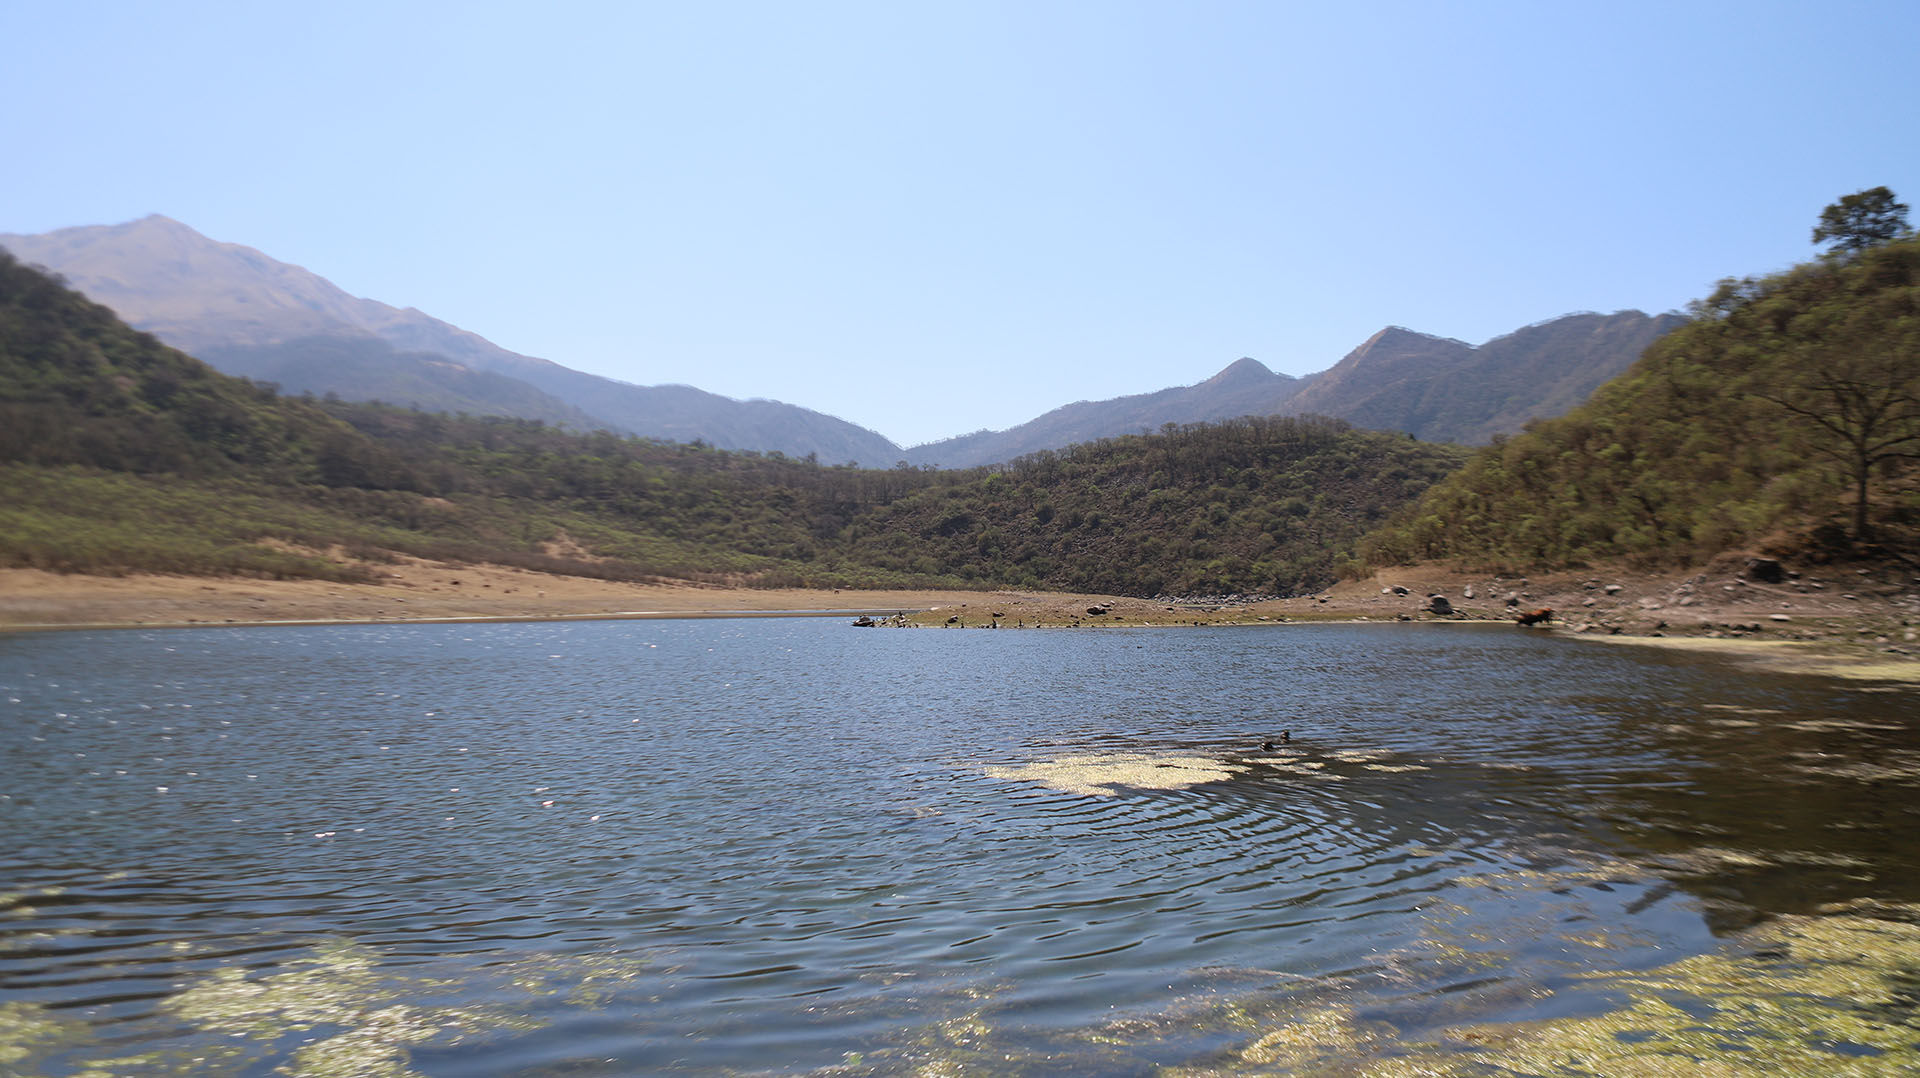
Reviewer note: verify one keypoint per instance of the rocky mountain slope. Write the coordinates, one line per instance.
(250, 314)
(1434, 388)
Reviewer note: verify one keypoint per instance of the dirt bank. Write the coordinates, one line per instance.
(1810, 621)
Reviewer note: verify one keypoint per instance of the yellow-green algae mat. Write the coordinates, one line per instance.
(1830, 996)
(360, 1021)
(1106, 774)
(1800, 995)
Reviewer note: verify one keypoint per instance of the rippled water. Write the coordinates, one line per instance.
(786, 845)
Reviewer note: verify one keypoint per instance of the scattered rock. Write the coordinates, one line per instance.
(1439, 605)
(1613, 589)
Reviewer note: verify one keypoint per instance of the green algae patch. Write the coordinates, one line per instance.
(368, 1019)
(337, 1010)
(27, 1030)
(1827, 995)
(1108, 774)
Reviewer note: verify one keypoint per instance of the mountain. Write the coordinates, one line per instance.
(1442, 390)
(1784, 416)
(1434, 388)
(248, 313)
(1244, 388)
(368, 368)
(119, 453)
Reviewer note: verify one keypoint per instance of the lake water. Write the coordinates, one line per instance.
(787, 846)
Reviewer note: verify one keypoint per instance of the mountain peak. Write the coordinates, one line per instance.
(1242, 369)
(157, 220)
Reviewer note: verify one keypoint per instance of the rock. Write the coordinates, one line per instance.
(1439, 605)
(1613, 589)
(1589, 601)
(1513, 600)
(1467, 592)
(1096, 610)
(1398, 590)
(1778, 617)
(863, 622)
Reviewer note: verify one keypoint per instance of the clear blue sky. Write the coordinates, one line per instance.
(930, 219)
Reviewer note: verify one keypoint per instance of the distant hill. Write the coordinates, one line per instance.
(119, 453)
(1434, 388)
(248, 313)
(1244, 388)
(1443, 390)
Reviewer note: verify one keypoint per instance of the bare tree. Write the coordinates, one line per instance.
(1859, 382)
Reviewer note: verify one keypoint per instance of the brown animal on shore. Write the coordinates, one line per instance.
(1545, 613)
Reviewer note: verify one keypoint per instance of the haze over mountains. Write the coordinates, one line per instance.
(249, 314)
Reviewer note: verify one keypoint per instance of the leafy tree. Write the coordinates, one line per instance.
(1861, 220)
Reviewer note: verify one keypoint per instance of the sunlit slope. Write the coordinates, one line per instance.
(1787, 412)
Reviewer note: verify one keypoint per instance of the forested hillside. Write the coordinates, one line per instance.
(1249, 505)
(1785, 414)
(118, 454)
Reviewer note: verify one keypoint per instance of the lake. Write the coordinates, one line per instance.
(787, 846)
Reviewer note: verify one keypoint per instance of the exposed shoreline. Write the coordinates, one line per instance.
(1805, 625)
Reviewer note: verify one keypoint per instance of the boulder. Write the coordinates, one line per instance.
(1439, 605)
(1766, 571)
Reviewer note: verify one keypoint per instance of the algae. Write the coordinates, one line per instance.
(28, 1030)
(338, 1010)
(1832, 995)
(1107, 774)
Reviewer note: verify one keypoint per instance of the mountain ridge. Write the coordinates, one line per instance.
(1433, 388)
(251, 314)
(155, 272)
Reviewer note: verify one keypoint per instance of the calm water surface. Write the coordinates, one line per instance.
(787, 846)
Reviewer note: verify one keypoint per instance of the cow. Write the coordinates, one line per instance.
(1545, 613)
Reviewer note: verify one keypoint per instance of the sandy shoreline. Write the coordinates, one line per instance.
(1848, 624)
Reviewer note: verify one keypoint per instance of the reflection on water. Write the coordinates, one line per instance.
(783, 846)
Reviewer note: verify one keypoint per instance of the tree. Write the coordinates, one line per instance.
(1857, 371)
(1861, 220)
